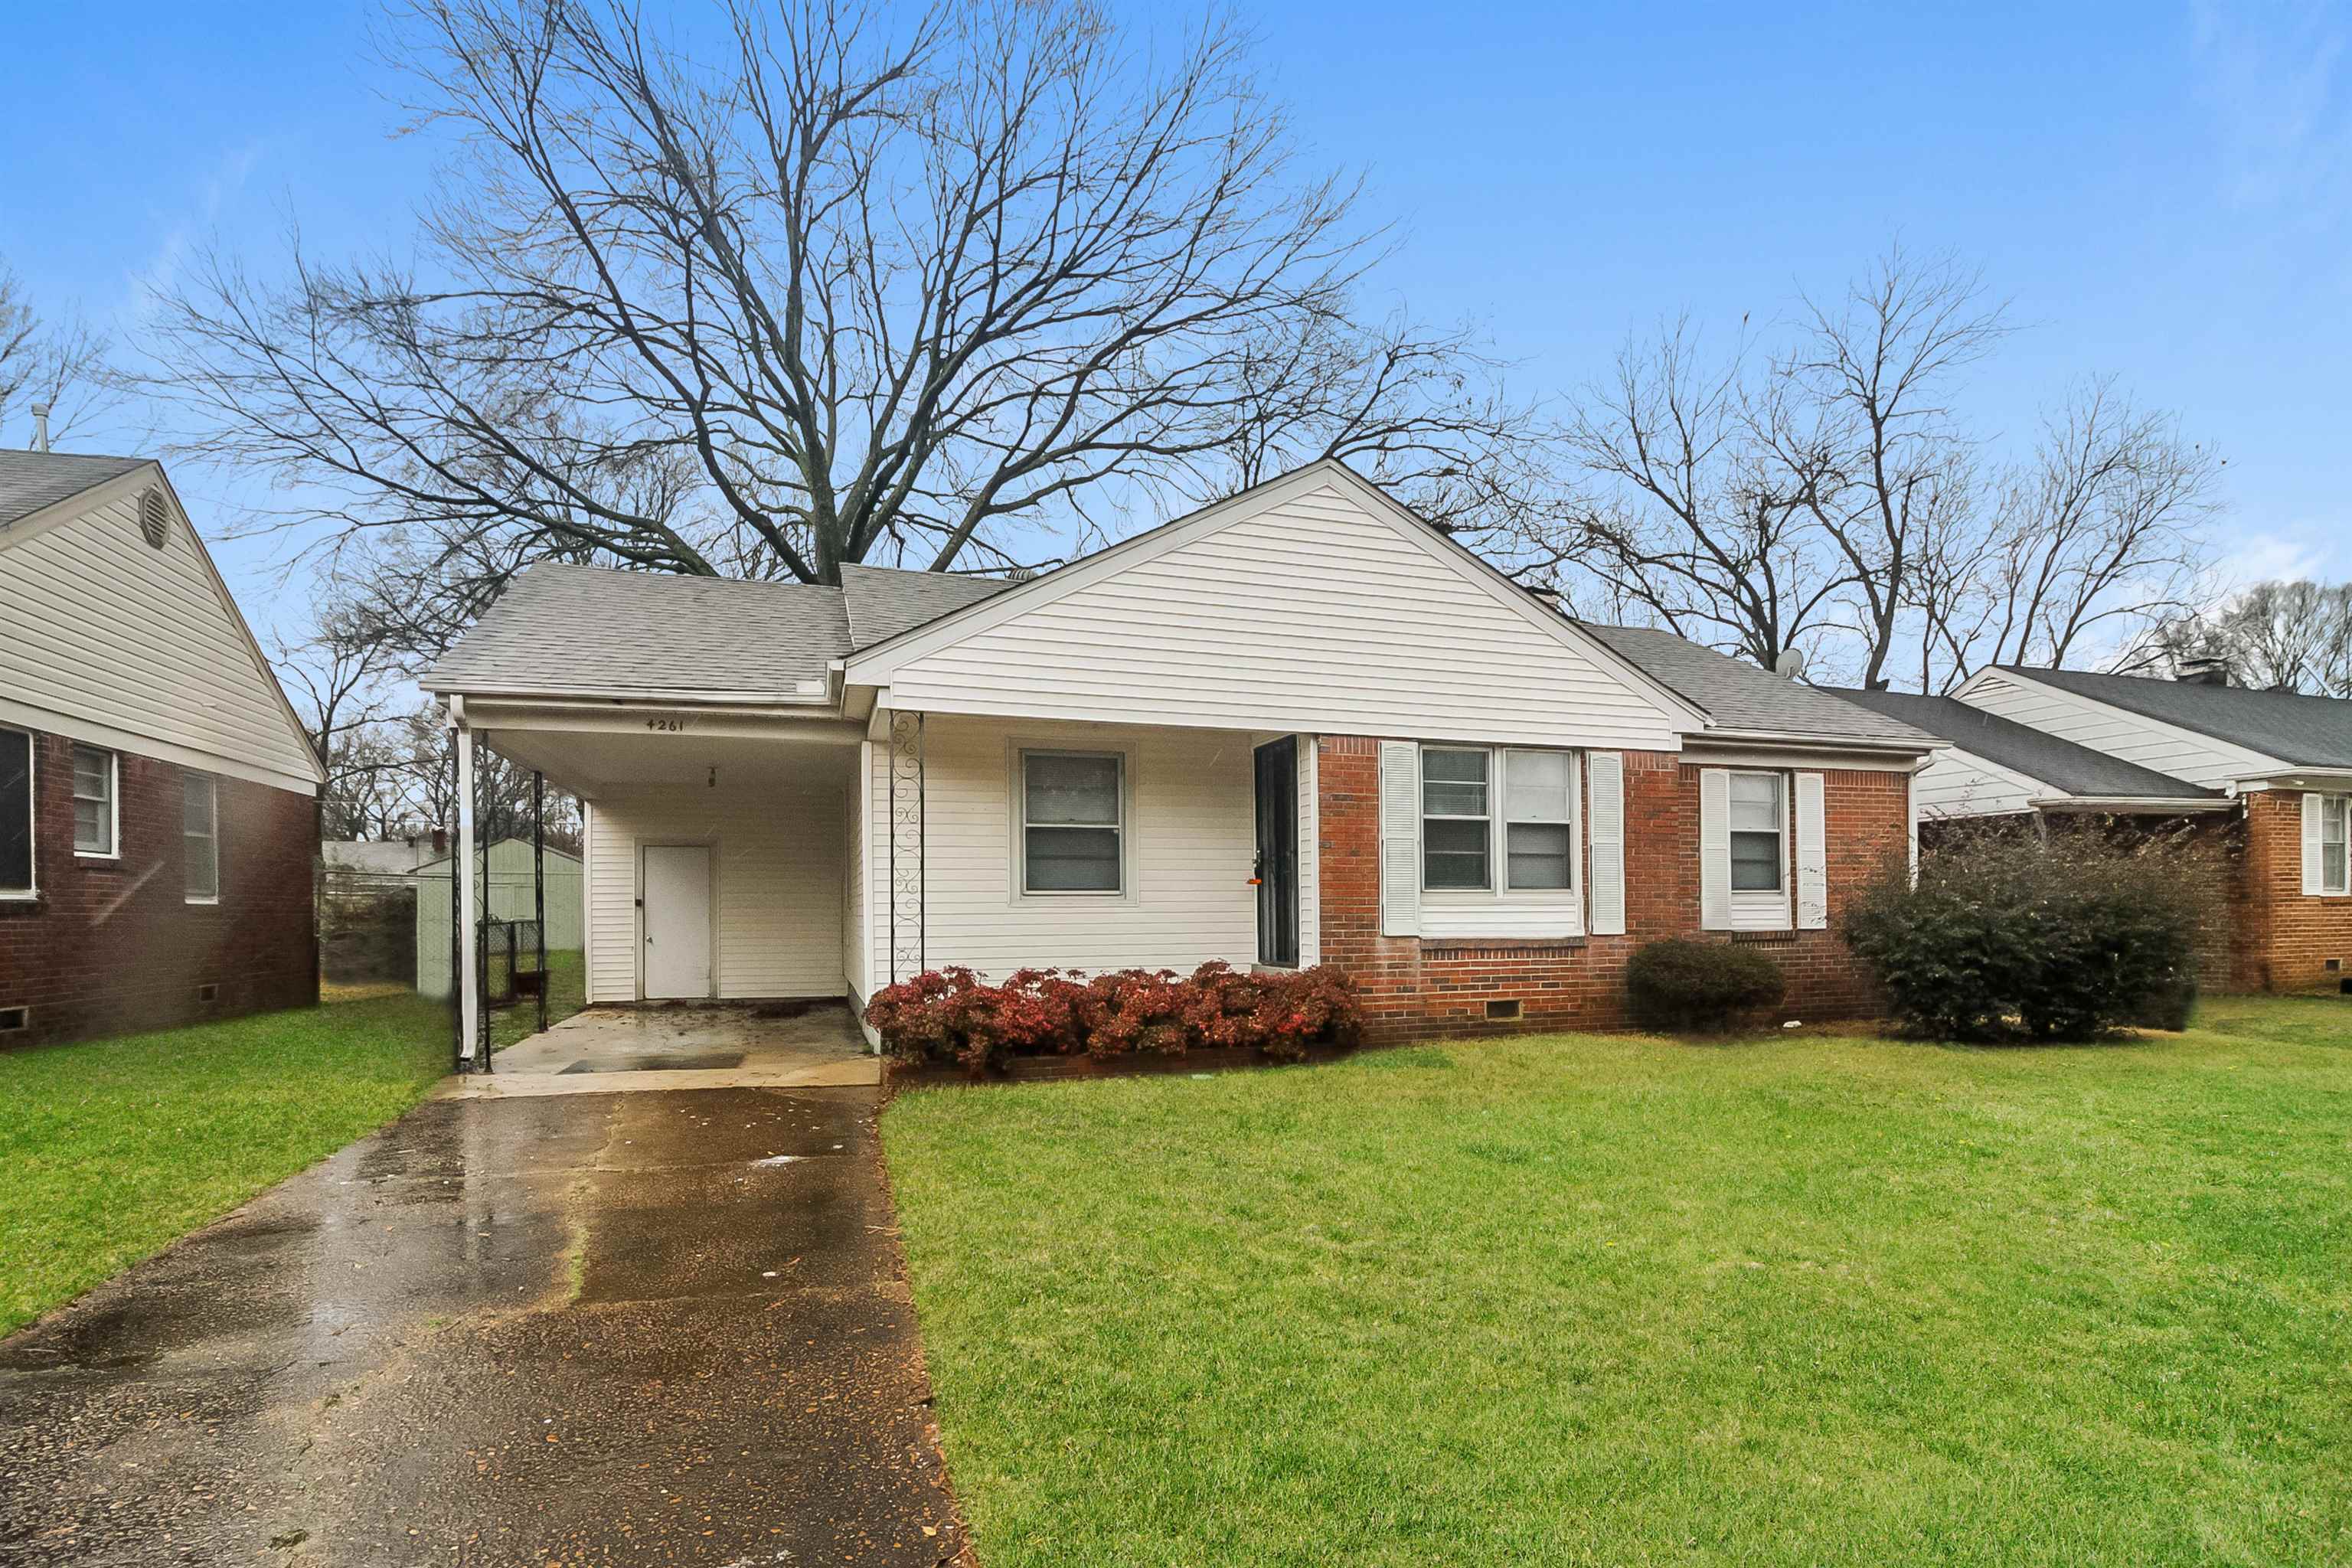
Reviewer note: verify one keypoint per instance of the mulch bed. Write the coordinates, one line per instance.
(900, 1075)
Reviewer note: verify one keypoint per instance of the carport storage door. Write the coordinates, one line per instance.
(677, 921)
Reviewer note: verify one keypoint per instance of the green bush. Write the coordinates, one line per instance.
(2009, 936)
(1689, 985)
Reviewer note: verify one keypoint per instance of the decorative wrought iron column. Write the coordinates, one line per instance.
(906, 944)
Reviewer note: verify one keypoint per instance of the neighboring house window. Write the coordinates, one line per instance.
(200, 836)
(2335, 829)
(1072, 824)
(15, 814)
(94, 773)
(1538, 832)
(1456, 818)
(1757, 833)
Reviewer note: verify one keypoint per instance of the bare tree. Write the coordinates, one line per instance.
(2292, 635)
(861, 287)
(58, 361)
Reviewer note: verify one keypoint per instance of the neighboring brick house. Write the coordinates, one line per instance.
(2261, 781)
(1299, 726)
(158, 798)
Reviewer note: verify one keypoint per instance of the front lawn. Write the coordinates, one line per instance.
(1600, 1299)
(110, 1149)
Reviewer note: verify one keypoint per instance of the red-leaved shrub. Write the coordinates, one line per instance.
(948, 1014)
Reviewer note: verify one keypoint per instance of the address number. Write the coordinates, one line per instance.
(671, 725)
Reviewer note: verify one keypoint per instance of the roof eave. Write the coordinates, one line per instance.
(1805, 741)
(2136, 804)
(442, 685)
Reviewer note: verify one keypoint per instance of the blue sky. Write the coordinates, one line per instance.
(2162, 193)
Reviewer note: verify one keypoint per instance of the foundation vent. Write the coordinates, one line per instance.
(12, 1019)
(207, 992)
(1503, 1012)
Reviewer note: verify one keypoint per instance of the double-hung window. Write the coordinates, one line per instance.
(1457, 820)
(1759, 833)
(2335, 831)
(16, 814)
(94, 778)
(200, 836)
(1539, 828)
(1072, 822)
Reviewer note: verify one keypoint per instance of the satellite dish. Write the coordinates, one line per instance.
(1790, 665)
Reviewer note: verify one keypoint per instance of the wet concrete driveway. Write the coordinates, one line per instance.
(592, 1329)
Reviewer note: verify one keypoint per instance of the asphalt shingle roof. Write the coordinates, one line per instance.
(883, 603)
(562, 629)
(1739, 696)
(31, 481)
(591, 630)
(2066, 767)
(2312, 731)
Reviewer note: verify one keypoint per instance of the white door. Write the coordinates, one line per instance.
(676, 921)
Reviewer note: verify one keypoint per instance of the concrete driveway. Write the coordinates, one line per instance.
(583, 1329)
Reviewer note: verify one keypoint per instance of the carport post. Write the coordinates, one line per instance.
(539, 882)
(469, 935)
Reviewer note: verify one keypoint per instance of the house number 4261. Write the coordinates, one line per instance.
(671, 724)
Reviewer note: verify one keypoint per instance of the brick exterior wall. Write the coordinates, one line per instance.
(112, 946)
(1414, 985)
(2286, 937)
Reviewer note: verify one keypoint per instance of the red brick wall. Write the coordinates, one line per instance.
(112, 946)
(2285, 936)
(1425, 985)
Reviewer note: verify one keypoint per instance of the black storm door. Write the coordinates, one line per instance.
(1277, 852)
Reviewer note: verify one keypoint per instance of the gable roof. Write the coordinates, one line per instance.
(1738, 696)
(35, 481)
(2307, 731)
(2065, 766)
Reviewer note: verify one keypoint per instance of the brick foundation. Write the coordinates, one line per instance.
(112, 946)
(1414, 985)
(2285, 936)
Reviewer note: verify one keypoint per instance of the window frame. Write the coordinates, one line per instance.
(1427, 816)
(2337, 807)
(31, 891)
(1505, 821)
(213, 836)
(1781, 890)
(113, 851)
(1119, 827)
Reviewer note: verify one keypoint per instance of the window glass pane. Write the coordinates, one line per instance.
(1454, 783)
(2331, 867)
(1755, 803)
(90, 774)
(15, 811)
(1536, 783)
(1756, 862)
(1073, 859)
(1538, 854)
(198, 835)
(2332, 811)
(1454, 853)
(1071, 789)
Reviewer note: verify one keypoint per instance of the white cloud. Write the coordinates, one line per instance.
(212, 193)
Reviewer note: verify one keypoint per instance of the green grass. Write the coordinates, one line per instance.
(112, 1149)
(1588, 1299)
(567, 992)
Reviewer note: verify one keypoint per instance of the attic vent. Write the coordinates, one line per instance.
(14, 1018)
(155, 516)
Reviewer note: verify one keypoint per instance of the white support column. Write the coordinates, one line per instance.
(470, 988)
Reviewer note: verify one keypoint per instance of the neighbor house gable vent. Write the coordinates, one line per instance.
(155, 516)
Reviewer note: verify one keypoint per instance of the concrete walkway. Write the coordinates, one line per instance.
(625, 1050)
(579, 1328)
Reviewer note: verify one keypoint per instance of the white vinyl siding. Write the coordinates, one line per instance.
(2087, 722)
(1309, 614)
(1192, 843)
(854, 963)
(777, 868)
(200, 837)
(1961, 783)
(111, 641)
(97, 776)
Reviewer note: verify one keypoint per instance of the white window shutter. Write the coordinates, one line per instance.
(1399, 838)
(2313, 865)
(1714, 850)
(1812, 854)
(1605, 773)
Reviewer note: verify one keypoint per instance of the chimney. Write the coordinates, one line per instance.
(40, 426)
(440, 841)
(2204, 669)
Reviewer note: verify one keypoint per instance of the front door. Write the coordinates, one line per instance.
(676, 921)
(1277, 852)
